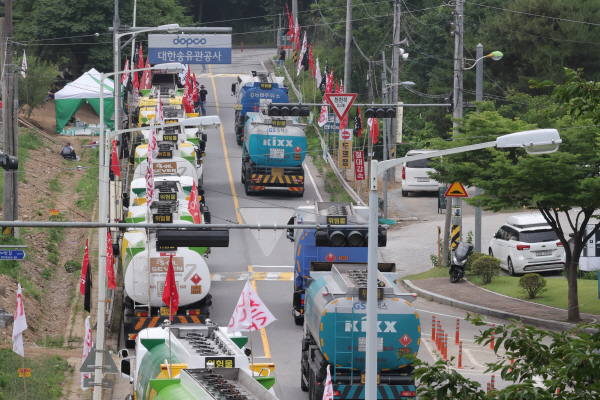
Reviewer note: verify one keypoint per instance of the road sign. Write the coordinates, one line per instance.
(340, 102)
(456, 190)
(12, 254)
(359, 166)
(27, 372)
(345, 154)
(266, 239)
(189, 49)
(89, 365)
(346, 134)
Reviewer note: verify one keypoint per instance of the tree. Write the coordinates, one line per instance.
(564, 186)
(566, 361)
(35, 86)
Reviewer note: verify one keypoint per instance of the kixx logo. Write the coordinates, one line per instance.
(277, 142)
(353, 326)
(188, 40)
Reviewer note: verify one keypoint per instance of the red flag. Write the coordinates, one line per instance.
(193, 206)
(125, 77)
(374, 129)
(114, 162)
(360, 129)
(329, 86)
(146, 77)
(194, 88)
(141, 60)
(110, 269)
(187, 94)
(84, 267)
(170, 295)
(297, 37)
(337, 89)
(311, 61)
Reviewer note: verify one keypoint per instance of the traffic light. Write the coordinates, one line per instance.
(208, 238)
(348, 238)
(295, 110)
(380, 112)
(8, 162)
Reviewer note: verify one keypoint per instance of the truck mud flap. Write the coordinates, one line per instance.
(383, 391)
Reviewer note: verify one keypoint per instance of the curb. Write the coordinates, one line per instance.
(549, 324)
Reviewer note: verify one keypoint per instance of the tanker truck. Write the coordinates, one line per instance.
(317, 250)
(273, 152)
(335, 335)
(250, 90)
(205, 363)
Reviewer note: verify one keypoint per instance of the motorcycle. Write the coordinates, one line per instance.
(460, 256)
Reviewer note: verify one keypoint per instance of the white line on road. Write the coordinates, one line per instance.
(272, 276)
(312, 181)
(272, 266)
(471, 358)
(430, 350)
(265, 68)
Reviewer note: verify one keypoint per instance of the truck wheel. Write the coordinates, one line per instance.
(312, 382)
(302, 384)
(299, 320)
(243, 178)
(247, 189)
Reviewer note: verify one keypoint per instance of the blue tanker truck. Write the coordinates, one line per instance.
(335, 335)
(274, 149)
(250, 90)
(319, 250)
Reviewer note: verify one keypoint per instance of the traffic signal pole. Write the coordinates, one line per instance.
(347, 58)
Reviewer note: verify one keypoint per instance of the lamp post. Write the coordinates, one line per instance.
(103, 176)
(535, 142)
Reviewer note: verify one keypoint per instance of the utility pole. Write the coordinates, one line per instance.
(370, 84)
(389, 175)
(279, 36)
(457, 111)
(2, 52)
(347, 58)
(10, 205)
(295, 10)
(386, 125)
(478, 97)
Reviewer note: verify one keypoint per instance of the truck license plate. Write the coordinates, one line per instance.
(422, 179)
(362, 379)
(164, 311)
(544, 253)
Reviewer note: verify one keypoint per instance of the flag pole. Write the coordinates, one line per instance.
(170, 316)
(251, 352)
(24, 383)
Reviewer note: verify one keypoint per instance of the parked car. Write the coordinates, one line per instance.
(415, 177)
(526, 243)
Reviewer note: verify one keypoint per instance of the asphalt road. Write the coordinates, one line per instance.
(280, 341)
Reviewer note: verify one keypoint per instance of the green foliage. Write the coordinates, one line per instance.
(52, 342)
(87, 187)
(532, 285)
(55, 185)
(34, 88)
(472, 258)
(72, 266)
(470, 237)
(47, 274)
(588, 276)
(435, 261)
(487, 268)
(566, 361)
(30, 140)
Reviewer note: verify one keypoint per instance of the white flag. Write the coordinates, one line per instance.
(302, 52)
(160, 119)
(250, 313)
(328, 391)
(183, 73)
(87, 345)
(152, 143)
(24, 65)
(149, 179)
(318, 74)
(19, 325)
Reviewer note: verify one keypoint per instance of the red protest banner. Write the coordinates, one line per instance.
(359, 166)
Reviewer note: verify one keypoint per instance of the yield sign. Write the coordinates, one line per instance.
(340, 102)
(456, 190)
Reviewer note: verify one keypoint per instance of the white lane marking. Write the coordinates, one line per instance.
(216, 278)
(245, 276)
(272, 276)
(430, 350)
(453, 316)
(312, 181)
(471, 358)
(272, 266)
(265, 68)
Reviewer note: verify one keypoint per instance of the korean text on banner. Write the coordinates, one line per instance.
(359, 166)
(189, 49)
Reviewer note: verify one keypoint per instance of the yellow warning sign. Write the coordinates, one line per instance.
(53, 212)
(27, 372)
(456, 190)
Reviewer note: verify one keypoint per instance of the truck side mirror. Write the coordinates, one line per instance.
(123, 353)
(125, 197)
(290, 232)
(125, 368)
(233, 85)
(297, 300)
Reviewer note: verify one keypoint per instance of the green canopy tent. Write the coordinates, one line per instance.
(87, 87)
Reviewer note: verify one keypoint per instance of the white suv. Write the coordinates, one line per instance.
(415, 177)
(526, 243)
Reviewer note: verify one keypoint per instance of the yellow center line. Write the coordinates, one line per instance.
(263, 333)
(235, 200)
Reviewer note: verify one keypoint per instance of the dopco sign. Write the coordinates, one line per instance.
(189, 49)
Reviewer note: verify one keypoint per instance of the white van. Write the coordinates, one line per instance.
(415, 177)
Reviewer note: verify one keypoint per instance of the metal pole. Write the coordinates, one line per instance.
(370, 145)
(395, 80)
(371, 345)
(15, 149)
(478, 97)
(457, 110)
(385, 140)
(347, 58)
(295, 10)
(279, 36)
(7, 110)
(102, 200)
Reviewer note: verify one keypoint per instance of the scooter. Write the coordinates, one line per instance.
(460, 256)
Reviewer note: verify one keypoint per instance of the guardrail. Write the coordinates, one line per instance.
(330, 160)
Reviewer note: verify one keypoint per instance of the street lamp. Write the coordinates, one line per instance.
(494, 55)
(535, 142)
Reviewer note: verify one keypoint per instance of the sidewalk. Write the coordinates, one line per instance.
(472, 298)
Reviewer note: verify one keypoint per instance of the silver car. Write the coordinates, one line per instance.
(415, 177)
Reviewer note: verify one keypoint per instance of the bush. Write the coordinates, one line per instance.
(72, 266)
(487, 268)
(472, 258)
(532, 285)
(47, 274)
